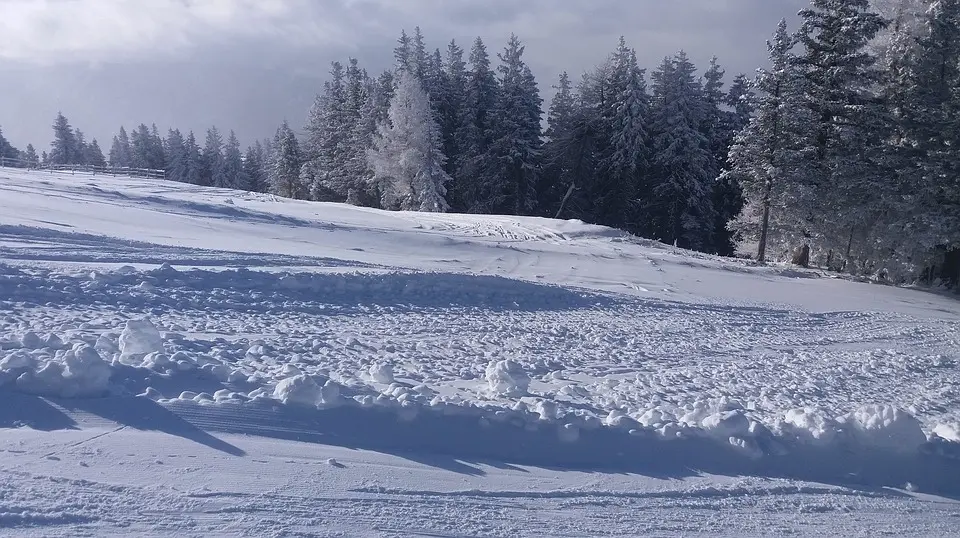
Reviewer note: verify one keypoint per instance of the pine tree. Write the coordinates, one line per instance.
(285, 166)
(79, 148)
(679, 209)
(176, 151)
(475, 166)
(326, 147)
(928, 149)
(141, 144)
(94, 155)
(63, 149)
(517, 138)
(557, 183)
(624, 115)
(233, 164)
(764, 158)
(31, 157)
(121, 152)
(6, 149)
(419, 60)
(212, 160)
(254, 163)
(403, 53)
(407, 156)
(849, 130)
(194, 161)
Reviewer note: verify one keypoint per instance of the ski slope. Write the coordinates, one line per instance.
(179, 360)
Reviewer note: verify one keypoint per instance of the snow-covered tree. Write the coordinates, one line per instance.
(63, 149)
(30, 156)
(475, 166)
(121, 152)
(233, 164)
(176, 151)
(678, 207)
(850, 127)
(764, 157)
(285, 166)
(326, 147)
(93, 155)
(194, 161)
(212, 159)
(407, 156)
(517, 138)
(6, 148)
(254, 168)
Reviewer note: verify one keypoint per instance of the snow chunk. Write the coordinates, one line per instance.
(139, 338)
(304, 390)
(950, 432)
(810, 425)
(30, 340)
(507, 378)
(888, 428)
(381, 372)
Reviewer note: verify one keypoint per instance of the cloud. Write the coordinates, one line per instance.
(65, 31)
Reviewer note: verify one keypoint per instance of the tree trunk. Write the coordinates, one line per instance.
(565, 198)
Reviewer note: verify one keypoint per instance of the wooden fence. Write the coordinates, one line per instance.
(86, 168)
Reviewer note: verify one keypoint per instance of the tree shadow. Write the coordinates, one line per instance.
(147, 415)
(18, 409)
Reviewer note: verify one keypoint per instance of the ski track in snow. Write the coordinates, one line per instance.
(323, 370)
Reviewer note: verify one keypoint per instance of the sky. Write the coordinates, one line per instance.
(246, 65)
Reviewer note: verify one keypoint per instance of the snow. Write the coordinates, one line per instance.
(168, 358)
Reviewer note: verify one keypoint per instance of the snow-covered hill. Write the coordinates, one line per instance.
(192, 361)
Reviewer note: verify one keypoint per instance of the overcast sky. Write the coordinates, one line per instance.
(248, 64)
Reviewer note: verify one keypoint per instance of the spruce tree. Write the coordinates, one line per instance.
(176, 151)
(516, 148)
(194, 161)
(63, 149)
(232, 173)
(679, 208)
(94, 155)
(849, 130)
(476, 167)
(765, 157)
(212, 160)
(285, 165)
(121, 153)
(31, 157)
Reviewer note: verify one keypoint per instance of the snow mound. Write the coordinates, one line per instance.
(76, 372)
(138, 339)
(507, 378)
(887, 428)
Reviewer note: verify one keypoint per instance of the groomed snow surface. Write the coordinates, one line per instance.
(176, 360)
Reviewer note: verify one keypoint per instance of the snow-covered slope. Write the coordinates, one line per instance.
(177, 359)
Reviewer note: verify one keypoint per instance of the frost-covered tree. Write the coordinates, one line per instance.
(285, 166)
(407, 156)
(678, 207)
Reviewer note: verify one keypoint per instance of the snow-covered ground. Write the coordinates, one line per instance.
(177, 360)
